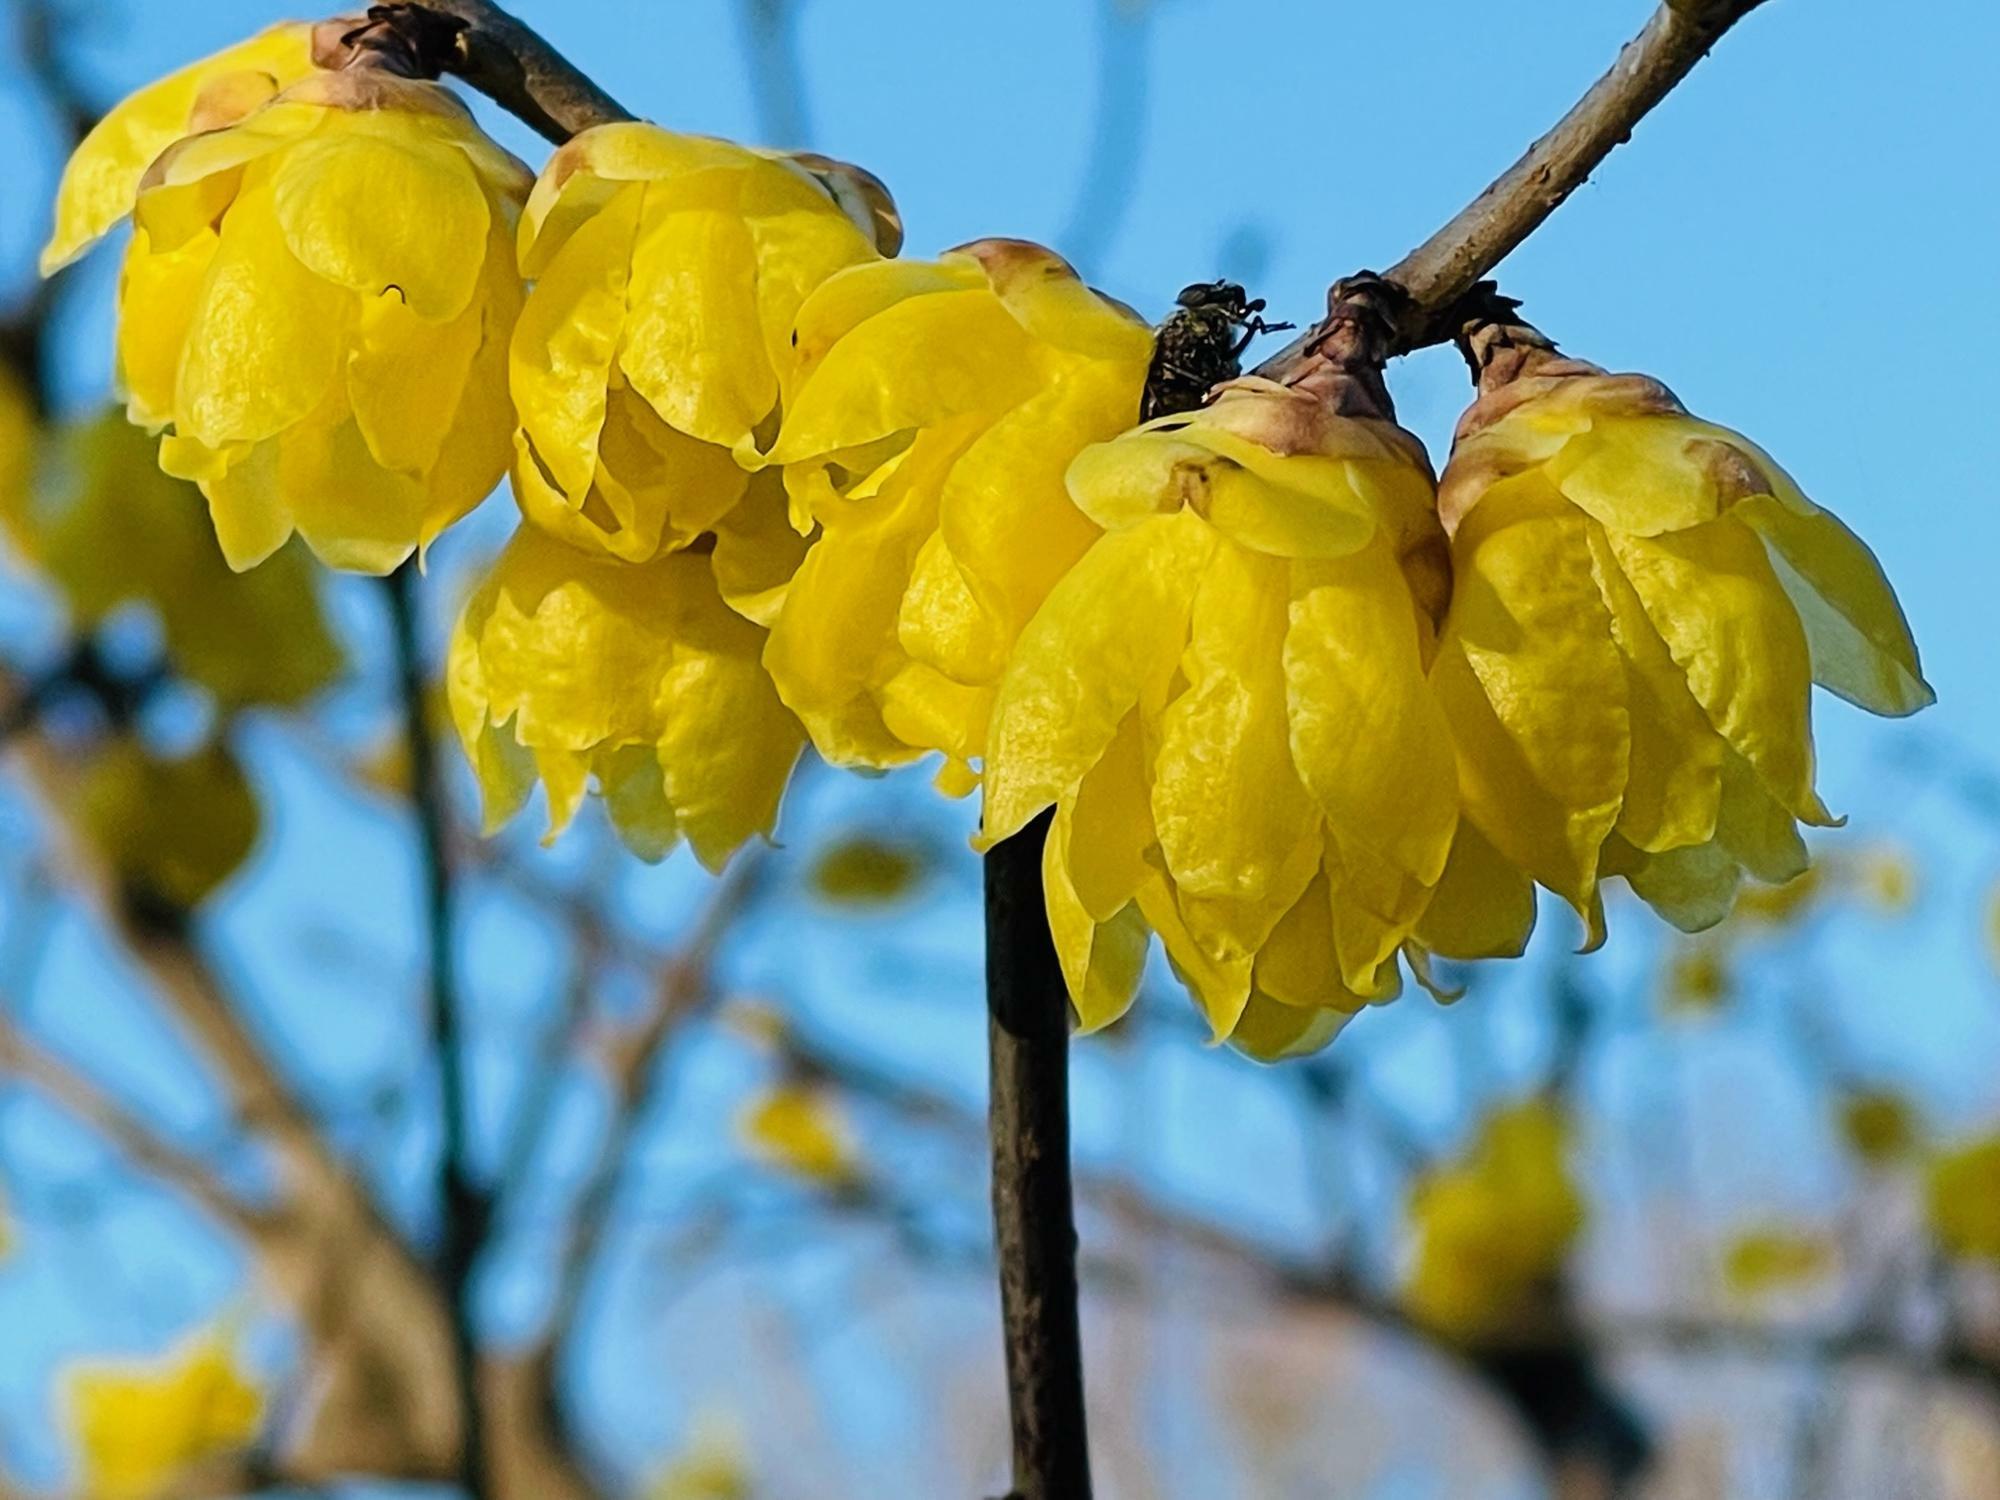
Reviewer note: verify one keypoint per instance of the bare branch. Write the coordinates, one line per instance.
(1452, 261)
(480, 44)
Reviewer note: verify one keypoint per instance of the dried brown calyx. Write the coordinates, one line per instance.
(411, 41)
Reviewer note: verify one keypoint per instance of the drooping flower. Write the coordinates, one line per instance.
(139, 1426)
(116, 531)
(570, 665)
(1964, 1199)
(315, 313)
(801, 1131)
(1494, 1226)
(932, 409)
(101, 181)
(1225, 702)
(668, 272)
(1642, 602)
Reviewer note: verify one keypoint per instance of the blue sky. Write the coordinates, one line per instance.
(1804, 241)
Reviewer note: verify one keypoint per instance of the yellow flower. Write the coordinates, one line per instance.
(1965, 1200)
(867, 871)
(121, 531)
(1698, 979)
(172, 829)
(19, 434)
(714, 1465)
(801, 1131)
(315, 311)
(1879, 1126)
(102, 179)
(569, 665)
(1761, 1261)
(1496, 1226)
(1888, 878)
(932, 409)
(668, 271)
(137, 1427)
(1641, 604)
(1224, 700)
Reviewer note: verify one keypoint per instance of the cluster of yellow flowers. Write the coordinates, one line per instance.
(1299, 708)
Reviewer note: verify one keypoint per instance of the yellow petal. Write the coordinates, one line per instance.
(1367, 733)
(102, 178)
(1483, 906)
(567, 341)
(1110, 631)
(157, 297)
(694, 346)
(920, 362)
(266, 340)
(1860, 641)
(1713, 597)
(1271, 1031)
(1646, 475)
(1233, 819)
(1534, 688)
(757, 552)
(1102, 962)
(385, 217)
(1693, 888)
(1675, 779)
(1112, 814)
(1220, 987)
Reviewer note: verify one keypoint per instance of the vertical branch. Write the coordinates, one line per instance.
(777, 80)
(463, 1208)
(1033, 1219)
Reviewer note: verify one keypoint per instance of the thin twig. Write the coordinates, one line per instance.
(1452, 261)
(464, 1208)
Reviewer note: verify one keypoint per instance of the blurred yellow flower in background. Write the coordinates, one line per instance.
(1879, 1127)
(868, 871)
(1642, 602)
(20, 436)
(568, 665)
(1494, 1227)
(1964, 1199)
(101, 180)
(1776, 1258)
(714, 1464)
(932, 409)
(116, 530)
(1224, 700)
(173, 829)
(801, 1131)
(1698, 979)
(668, 271)
(315, 312)
(138, 1426)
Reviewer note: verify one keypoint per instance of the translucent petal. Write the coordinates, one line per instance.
(757, 552)
(1483, 906)
(1102, 962)
(1859, 639)
(1112, 815)
(1712, 595)
(1693, 888)
(102, 178)
(1221, 989)
(157, 295)
(1271, 1031)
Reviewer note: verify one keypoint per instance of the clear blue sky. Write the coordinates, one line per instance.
(1804, 242)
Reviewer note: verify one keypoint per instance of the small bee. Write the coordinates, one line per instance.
(1201, 345)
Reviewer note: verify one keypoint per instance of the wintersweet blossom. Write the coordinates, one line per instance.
(1642, 603)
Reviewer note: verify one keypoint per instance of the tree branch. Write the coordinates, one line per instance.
(1452, 261)
(514, 67)
(464, 1209)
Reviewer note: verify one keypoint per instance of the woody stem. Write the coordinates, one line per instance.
(1033, 1218)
